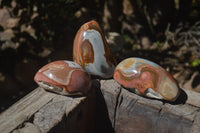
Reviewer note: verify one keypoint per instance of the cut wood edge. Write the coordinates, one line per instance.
(187, 113)
(40, 104)
(193, 98)
(24, 109)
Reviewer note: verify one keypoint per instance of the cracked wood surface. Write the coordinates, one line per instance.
(108, 108)
(42, 111)
(24, 109)
(129, 112)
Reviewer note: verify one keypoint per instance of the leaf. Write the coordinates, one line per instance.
(196, 63)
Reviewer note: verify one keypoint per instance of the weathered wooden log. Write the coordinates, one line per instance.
(42, 111)
(108, 108)
(130, 113)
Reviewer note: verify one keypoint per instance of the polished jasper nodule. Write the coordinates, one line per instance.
(64, 77)
(92, 52)
(147, 79)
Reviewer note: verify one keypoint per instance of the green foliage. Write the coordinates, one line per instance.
(195, 3)
(126, 37)
(196, 63)
(134, 46)
(158, 44)
(198, 27)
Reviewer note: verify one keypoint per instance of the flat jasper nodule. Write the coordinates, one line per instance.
(64, 77)
(92, 52)
(147, 79)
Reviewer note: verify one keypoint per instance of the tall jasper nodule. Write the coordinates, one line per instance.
(147, 79)
(64, 77)
(92, 52)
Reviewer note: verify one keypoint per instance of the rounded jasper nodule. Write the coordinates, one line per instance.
(64, 77)
(92, 52)
(147, 79)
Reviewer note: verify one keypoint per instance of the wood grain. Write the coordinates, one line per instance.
(133, 113)
(24, 109)
(107, 108)
(49, 112)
